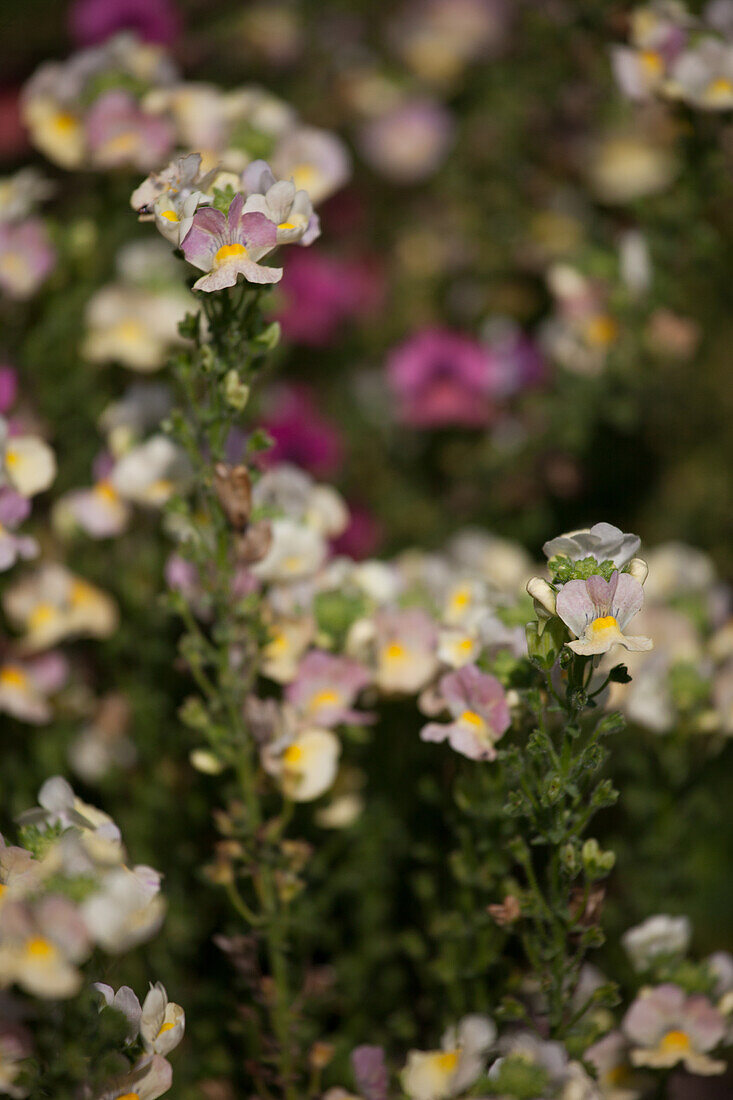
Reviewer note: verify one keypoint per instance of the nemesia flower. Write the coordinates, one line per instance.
(289, 209)
(134, 415)
(325, 689)
(315, 160)
(370, 1071)
(303, 436)
(437, 1075)
(26, 257)
(102, 743)
(92, 21)
(504, 566)
(134, 326)
(150, 473)
(657, 936)
(289, 638)
(603, 541)
(179, 180)
(120, 134)
(610, 1059)
(479, 710)
(229, 246)
(25, 686)
(320, 293)
(437, 38)
(27, 464)
(563, 1078)
(59, 806)
(40, 947)
(306, 767)
(630, 165)
(441, 378)
(147, 1080)
(703, 75)
(665, 1027)
(408, 142)
(21, 193)
(296, 551)
(598, 611)
(405, 650)
(162, 1022)
(14, 508)
(100, 511)
(51, 604)
(126, 909)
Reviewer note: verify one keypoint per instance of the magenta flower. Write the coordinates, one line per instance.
(480, 713)
(227, 246)
(442, 378)
(120, 134)
(324, 691)
(26, 257)
(303, 437)
(319, 293)
(92, 21)
(361, 537)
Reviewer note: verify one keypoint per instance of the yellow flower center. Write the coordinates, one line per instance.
(169, 215)
(601, 331)
(324, 699)
(65, 123)
(130, 1096)
(652, 62)
(166, 1027)
(293, 564)
(721, 87)
(447, 1061)
(229, 252)
(2, 889)
(129, 330)
(106, 491)
(286, 225)
(37, 948)
(293, 755)
(80, 593)
(278, 644)
(304, 176)
(606, 622)
(41, 615)
(675, 1042)
(13, 677)
(394, 652)
(471, 718)
(11, 457)
(465, 645)
(460, 599)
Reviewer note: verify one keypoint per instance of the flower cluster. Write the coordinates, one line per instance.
(27, 255)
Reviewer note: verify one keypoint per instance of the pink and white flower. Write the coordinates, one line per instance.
(479, 710)
(665, 1027)
(598, 611)
(227, 246)
(326, 687)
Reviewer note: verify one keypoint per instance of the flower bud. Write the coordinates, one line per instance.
(638, 569)
(543, 595)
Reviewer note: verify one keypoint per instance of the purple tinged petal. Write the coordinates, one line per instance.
(235, 213)
(257, 231)
(628, 599)
(575, 606)
(370, 1072)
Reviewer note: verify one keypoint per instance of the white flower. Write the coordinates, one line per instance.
(151, 472)
(598, 611)
(440, 1074)
(603, 541)
(126, 910)
(27, 464)
(658, 935)
(162, 1022)
(306, 767)
(296, 551)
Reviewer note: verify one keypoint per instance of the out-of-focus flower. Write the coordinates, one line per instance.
(597, 612)
(479, 712)
(408, 142)
(103, 742)
(14, 547)
(25, 685)
(180, 180)
(150, 473)
(657, 936)
(40, 947)
(544, 1066)
(291, 211)
(21, 193)
(305, 767)
(120, 134)
(582, 332)
(296, 551)
(665, 1028)
(15, 1047)
(51, 604)
(320, 293)
(100, 511)
(302, 435)
(132, 325)
(162, 1022)
(128, 420)
(405, 650)
(602, 541)
(227, 246)
(628, 166)
(438, 38)
(315, 160)
(325, 689)
(126, 910)
(439, 1074)
(27, 464)
(92, 21)
(26, 257)
(441, 378)
(516, 360)
(703, 75)
(610, 1059)
(289, 638)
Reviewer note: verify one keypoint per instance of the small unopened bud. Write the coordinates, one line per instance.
(543, 595)
(507, 913)
(236, 391)
(638, 569)
(206, 762)
(320, 1054)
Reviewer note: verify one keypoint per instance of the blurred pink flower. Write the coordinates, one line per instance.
(303, 437)
(92, 21)
(120, 134)
(442, 378)
(362, 536)
(319, 293)
(26, 257)
(408, 143)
